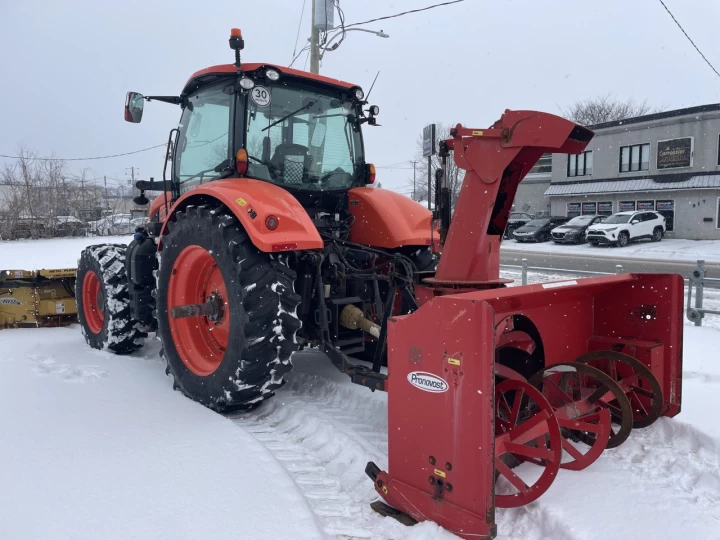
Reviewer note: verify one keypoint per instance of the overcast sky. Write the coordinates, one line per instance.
(67, 64)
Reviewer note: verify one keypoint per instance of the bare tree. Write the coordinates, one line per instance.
(455, 175)
(606, 109)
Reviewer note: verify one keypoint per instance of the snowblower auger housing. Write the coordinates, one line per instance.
(448, 438)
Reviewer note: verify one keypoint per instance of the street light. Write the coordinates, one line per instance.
(327, 47)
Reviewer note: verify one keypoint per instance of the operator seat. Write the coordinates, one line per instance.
(290, 162)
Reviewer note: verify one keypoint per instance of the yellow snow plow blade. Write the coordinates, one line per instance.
(37, 298)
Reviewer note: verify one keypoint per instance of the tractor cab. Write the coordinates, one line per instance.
(294, 129)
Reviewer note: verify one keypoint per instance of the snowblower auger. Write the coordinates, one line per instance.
(448, 420)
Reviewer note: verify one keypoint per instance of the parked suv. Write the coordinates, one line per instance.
(623, 227)
(574, 230)
(538, 230)
(517, 219)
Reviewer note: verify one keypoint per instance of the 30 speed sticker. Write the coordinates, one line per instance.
(261, 96)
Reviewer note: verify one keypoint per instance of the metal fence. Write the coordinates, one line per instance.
(697, 280)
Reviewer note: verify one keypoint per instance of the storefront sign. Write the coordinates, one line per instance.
(668, 206)
(626, 206)
(605, 208)
(573, 209)
(646, 205)
(675, 153)
(589, 208)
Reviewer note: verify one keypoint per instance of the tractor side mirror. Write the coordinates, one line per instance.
(134, 104)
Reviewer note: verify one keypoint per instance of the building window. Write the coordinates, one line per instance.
(635, 158)
(645, 205)
(544, 165)
(605, 208)
(717, 215)
(573, 209)
(667, 209)
(718, 150)
(626, 206)
(580, 164)
(589, 208)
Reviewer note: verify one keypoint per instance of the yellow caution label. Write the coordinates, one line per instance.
(241, 201)
(440, 473)
(454, 361)
(479, 133)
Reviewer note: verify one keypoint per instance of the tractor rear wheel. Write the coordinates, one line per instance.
(235, 358)
(103, 302)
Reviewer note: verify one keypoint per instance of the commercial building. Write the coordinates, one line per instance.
(668, 162)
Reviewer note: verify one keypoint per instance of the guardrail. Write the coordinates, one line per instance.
(524, 270)
(699, 280)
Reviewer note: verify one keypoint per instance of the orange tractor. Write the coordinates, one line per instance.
(266, 239)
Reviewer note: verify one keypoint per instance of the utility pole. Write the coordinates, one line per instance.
(414, 199)
(132, 179)
(314, 42)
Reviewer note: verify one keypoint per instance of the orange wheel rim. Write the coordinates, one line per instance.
(199, 341)
(93, 302)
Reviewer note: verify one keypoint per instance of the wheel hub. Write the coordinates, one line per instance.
(198, 310)
(93, 300)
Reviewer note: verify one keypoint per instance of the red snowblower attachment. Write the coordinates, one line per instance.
(493, 389)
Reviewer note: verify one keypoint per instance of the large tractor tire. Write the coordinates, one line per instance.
(103, 301)
(239, 359)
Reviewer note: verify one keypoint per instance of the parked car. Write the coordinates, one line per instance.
(517, 219)
(538, 230)
(113, 225)
(622, 228)
(66, 226)
(574, 230)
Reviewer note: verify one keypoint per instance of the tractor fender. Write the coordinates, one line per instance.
(252, 201)
(386, 219)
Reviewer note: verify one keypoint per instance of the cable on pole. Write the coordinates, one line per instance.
(404, 13)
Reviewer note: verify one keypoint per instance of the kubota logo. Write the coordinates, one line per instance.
(427, 381)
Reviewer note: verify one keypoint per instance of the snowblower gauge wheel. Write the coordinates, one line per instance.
(525, 428)
(636, 380)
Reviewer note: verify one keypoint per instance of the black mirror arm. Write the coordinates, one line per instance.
(175, 100)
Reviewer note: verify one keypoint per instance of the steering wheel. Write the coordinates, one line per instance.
(256, 159)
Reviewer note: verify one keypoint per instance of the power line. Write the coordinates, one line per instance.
(302, 14)
(689, 39)
(90, 158)
(404, 13)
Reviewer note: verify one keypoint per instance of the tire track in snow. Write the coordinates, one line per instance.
(324, 436)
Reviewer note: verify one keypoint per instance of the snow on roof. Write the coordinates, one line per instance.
(634, 184)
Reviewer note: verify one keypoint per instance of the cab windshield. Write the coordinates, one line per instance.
(302, 138)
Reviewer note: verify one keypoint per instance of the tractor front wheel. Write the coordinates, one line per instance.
(236, 356)
(103, 301)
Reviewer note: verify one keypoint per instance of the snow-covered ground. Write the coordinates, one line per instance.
(50, 252)
(99, 446)
(668, 249)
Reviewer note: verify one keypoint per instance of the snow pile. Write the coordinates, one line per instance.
(667, 249)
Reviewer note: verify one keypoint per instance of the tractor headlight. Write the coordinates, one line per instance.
(272, 74)
(247, 84)
(359, 94)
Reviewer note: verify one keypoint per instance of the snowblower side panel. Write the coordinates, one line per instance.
(441, 417)
(252, 202)
(388, 220)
